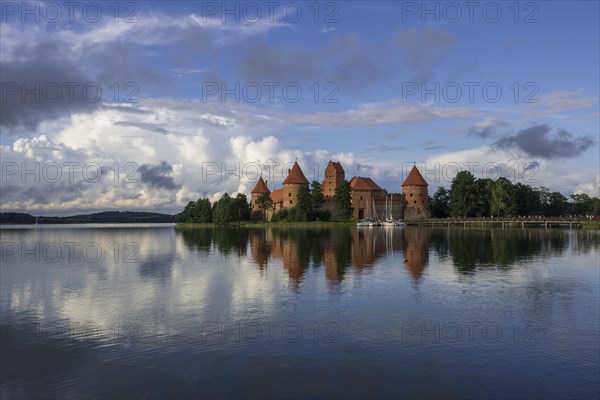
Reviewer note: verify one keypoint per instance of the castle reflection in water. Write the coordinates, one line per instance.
(340, 250)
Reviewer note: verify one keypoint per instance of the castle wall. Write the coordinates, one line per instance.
(362, 202)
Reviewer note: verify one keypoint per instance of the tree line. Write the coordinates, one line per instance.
(224, 211)
(309, 207)
(112, 217)
(471, 197)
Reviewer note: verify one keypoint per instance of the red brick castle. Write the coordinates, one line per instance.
(368, 198)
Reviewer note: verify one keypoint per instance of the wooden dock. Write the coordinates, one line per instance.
(498, 222)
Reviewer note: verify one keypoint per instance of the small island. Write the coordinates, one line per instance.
(339, 200)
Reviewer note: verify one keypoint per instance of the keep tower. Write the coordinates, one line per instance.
(415, 192)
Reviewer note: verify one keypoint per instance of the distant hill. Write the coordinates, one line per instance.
(108, 217)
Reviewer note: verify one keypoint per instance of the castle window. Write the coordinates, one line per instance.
(411, 195)
(420, 194)
(289, 194)
(423, 202)
(361, 197)
(415, 202)
(291, 201)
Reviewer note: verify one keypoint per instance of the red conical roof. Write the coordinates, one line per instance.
(261, 187)
(296, 176)
(414, 178)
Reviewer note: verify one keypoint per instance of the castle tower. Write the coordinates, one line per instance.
(414, 190)
(292, 184)
(259, 189)
(334, 174)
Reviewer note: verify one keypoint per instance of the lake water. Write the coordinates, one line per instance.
(155, 311)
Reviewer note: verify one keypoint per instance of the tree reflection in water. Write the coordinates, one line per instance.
(336, 249)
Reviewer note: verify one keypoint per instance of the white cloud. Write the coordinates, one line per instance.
(391, 112)
(483, 162)
(592, 187)
(559, 101)
(209, 148)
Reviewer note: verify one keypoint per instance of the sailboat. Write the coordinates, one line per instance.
(389, 218)
(371, 217)
(375, 221)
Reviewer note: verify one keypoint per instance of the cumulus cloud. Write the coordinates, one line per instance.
(537, 141)
(99, 171)
(486, 162)
(591, 188)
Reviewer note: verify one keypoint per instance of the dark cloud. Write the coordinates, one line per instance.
(348, 60)
(156, 175)
(53, 82)
(532, 165)
(48, 193)
(536, 141)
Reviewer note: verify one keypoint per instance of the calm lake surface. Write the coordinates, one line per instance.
(155, 311)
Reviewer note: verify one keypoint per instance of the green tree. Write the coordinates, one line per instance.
(582, 204)
(502, 202)
(343, 200)
(241, 208)
(527, 200)
(463, 195)
(265, 202)
(304, 206)
(281, 215)
(202, 212)
(557, 205)
(483, 197)
(440, 203)
(224, 210)
(317, 196)
(544, 196)
(595, 206)
(187, 213)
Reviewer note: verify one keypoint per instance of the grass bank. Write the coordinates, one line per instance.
(591, 224)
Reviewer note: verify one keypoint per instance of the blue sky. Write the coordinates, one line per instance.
(362, 68)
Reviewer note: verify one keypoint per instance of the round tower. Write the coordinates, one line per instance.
(260, 189)
(414, 190)
(292, 184)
